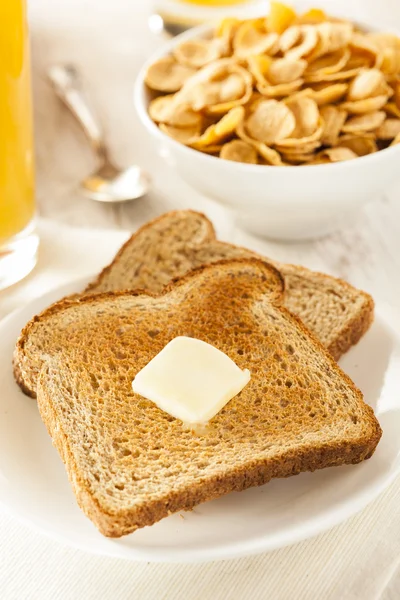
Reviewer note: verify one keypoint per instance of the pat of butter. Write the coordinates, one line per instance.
(190, 380)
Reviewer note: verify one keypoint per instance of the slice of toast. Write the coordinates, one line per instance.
(179, 241)
(130, 463)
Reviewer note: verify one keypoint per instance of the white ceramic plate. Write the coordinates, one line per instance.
(35, 489)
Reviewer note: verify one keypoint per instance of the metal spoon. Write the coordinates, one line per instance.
(108, 183)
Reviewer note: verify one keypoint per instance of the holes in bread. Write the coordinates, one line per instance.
(284, 403)
(120, 486)
(288, 383)
(354, 419)
(93, 382)
(125, 452)
(240, 351)
(153, 333)
(202, 465)
(290, 349)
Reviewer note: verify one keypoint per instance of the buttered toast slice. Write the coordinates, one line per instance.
(129, 462)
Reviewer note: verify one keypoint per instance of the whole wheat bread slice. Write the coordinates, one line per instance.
(179, 241)
(131, 464)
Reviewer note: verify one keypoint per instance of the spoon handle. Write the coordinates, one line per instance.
(65, 81)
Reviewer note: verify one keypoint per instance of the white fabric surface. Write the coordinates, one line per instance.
(358, 560)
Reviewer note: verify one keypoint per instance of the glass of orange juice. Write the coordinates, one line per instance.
(18, 241)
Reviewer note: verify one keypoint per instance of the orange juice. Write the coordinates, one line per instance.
(16, 140)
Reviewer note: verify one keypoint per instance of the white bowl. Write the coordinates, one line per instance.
(286, 203)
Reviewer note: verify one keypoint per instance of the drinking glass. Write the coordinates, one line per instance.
(18, 241)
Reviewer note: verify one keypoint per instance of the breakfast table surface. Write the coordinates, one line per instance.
(109, 40)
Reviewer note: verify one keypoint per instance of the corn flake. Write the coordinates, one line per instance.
(359, 107)
(167, 75)
(198, 53)
(289, 38)
(392, 110)
(308, 41)
(360, 144)
(327, 64)
(285, 70)
(251, 38)
(184, 135)
(165, 109)
(221, 130)
(271, 156)
(334, 119)
(364, 123)
(239, 151)
(365, 84)
(280, 90)
(280, 17)
(338, 154)
(306, 114)
(388, 130)
(329, 93)
(270, 122)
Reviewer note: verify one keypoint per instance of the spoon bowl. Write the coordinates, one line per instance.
(108, 183)
(111, 184)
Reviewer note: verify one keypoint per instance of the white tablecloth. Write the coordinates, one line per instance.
(108, 40)
(359, 560)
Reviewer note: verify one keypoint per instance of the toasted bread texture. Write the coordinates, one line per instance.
(179, 241)
(131, 464)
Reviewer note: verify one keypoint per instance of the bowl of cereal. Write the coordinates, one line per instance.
(292, 121)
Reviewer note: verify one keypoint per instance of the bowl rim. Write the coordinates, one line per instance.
(140, 88)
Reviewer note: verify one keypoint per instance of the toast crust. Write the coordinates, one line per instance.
(209, 237)
(291, 462)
